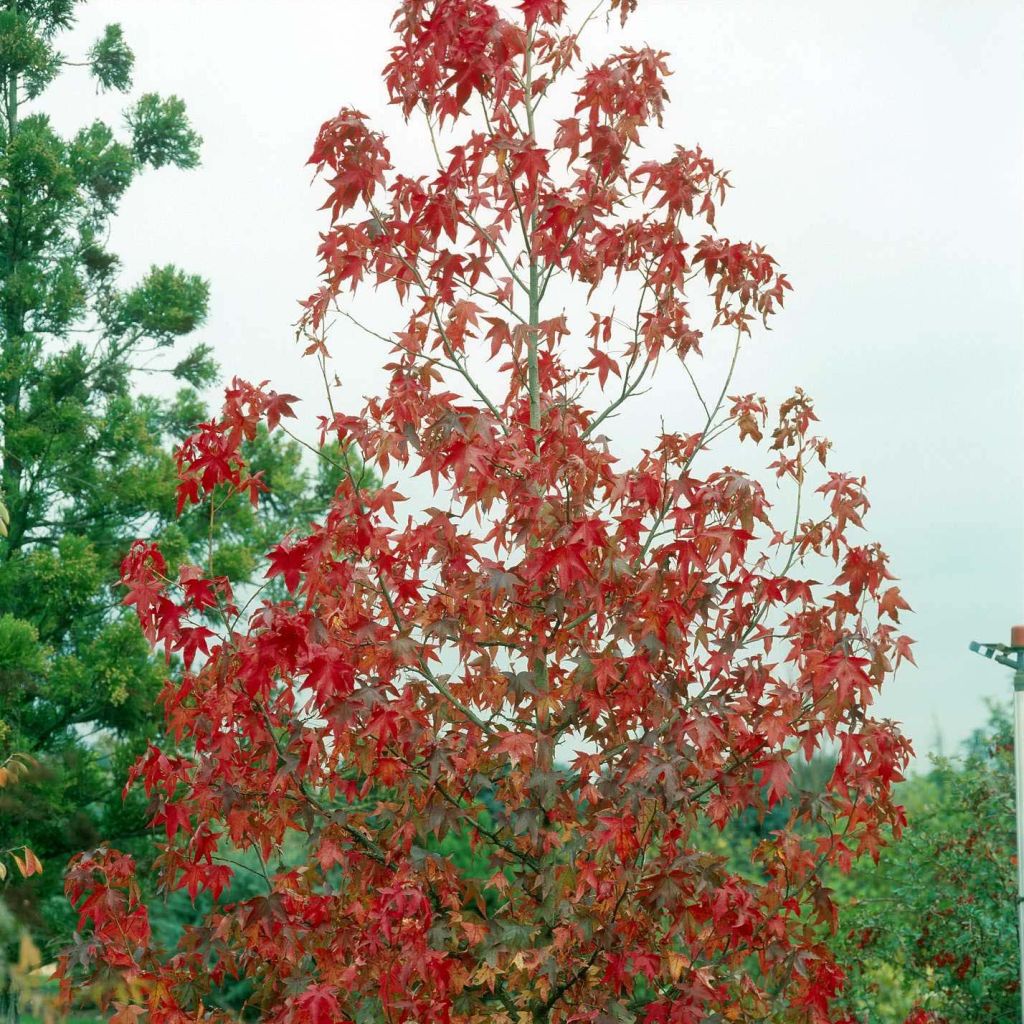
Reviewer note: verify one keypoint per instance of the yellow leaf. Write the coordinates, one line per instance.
(485, 975)
(29, 864)
(677, 963)
(33, 863)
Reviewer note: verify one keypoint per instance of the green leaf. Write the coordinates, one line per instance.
(161, 133)
(112, 61)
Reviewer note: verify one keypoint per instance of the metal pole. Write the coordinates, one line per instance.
(1018, 754)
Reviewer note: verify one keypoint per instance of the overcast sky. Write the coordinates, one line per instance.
(875, 149)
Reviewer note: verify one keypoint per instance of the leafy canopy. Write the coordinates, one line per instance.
(934, 930)
(575, 659)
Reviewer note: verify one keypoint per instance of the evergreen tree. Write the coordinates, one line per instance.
(87, 462)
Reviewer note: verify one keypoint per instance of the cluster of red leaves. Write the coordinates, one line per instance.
(921, 1016)
(573, 665)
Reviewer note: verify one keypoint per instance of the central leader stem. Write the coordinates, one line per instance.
(533, 372)
(534, 317)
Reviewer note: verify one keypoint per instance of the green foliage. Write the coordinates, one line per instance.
(102, 167)
(86, 464)
(25, 51)
(160, 133)
(165, 305)
(935, 924)
(111, 61)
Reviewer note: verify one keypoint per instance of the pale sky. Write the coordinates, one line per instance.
(875, 149)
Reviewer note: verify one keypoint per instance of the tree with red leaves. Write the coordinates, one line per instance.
(567, 659)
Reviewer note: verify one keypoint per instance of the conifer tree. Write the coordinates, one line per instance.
(87, 461)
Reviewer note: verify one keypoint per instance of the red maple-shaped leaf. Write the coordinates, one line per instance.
(286, 560)
(278, 407)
